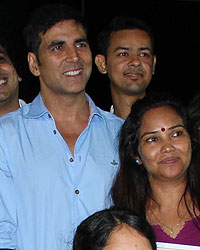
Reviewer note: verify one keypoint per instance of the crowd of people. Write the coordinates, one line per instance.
(73, 176)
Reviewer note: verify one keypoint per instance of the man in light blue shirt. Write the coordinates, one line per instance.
(58, 155)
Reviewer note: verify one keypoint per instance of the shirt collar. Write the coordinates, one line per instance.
(21, 103)
(112, 110)
(94, 111)
(38, 109)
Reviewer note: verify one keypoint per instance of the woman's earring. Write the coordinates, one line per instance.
(137, 162)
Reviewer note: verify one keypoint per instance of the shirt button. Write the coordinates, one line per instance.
(71, 160)
(49, 115)
(77, 191)
(54, 131)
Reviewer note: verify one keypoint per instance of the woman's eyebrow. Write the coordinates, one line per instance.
(149, 133)
(176, 126)
(156, 131)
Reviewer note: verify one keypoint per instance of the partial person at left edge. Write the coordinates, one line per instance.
(58, 154)
(9, 83)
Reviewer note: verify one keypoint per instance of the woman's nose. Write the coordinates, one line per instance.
(167, 147)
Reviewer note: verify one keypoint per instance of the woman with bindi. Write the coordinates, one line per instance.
(160, 169)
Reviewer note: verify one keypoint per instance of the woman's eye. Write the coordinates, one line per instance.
(177, 133)
(152, 139)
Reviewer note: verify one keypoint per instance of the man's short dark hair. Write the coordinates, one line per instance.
(121, 23)
(45, 17)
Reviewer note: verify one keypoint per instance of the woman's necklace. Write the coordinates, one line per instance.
(171, 231)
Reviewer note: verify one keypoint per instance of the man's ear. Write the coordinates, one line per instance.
(33, 64)
(100, 62)
(154, 64)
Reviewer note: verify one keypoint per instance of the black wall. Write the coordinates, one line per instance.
(176, 25)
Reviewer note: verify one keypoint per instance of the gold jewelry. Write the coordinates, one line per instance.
(170, 230)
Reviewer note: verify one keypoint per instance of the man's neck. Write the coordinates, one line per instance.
(71, 107)
(123, 103)
(6, 107)
(71, 114)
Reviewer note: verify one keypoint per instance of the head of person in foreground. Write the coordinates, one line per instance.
(114, 229)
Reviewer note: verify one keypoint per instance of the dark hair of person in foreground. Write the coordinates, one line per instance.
(93, 232)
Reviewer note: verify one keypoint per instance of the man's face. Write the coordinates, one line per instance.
(8, 78)
(65, 59)
(130, 62)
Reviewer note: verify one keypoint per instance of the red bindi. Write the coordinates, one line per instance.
(163, 129)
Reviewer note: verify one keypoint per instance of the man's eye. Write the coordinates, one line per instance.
(123, 54)
(81, 45)
(58, 48)
(144, 54)
(2, 59)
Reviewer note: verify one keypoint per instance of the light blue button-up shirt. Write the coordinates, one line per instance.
(45, 191)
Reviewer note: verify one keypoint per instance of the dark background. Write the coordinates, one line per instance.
(176, 26)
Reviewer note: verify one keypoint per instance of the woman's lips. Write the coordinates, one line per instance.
(169, 160)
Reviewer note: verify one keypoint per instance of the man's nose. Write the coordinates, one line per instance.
(71, 55)
(135, 61)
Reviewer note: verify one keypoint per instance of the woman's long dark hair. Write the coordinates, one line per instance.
(131, 188)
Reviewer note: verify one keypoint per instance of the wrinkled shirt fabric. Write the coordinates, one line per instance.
(45, 191)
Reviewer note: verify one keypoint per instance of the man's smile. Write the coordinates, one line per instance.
(73, 72)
